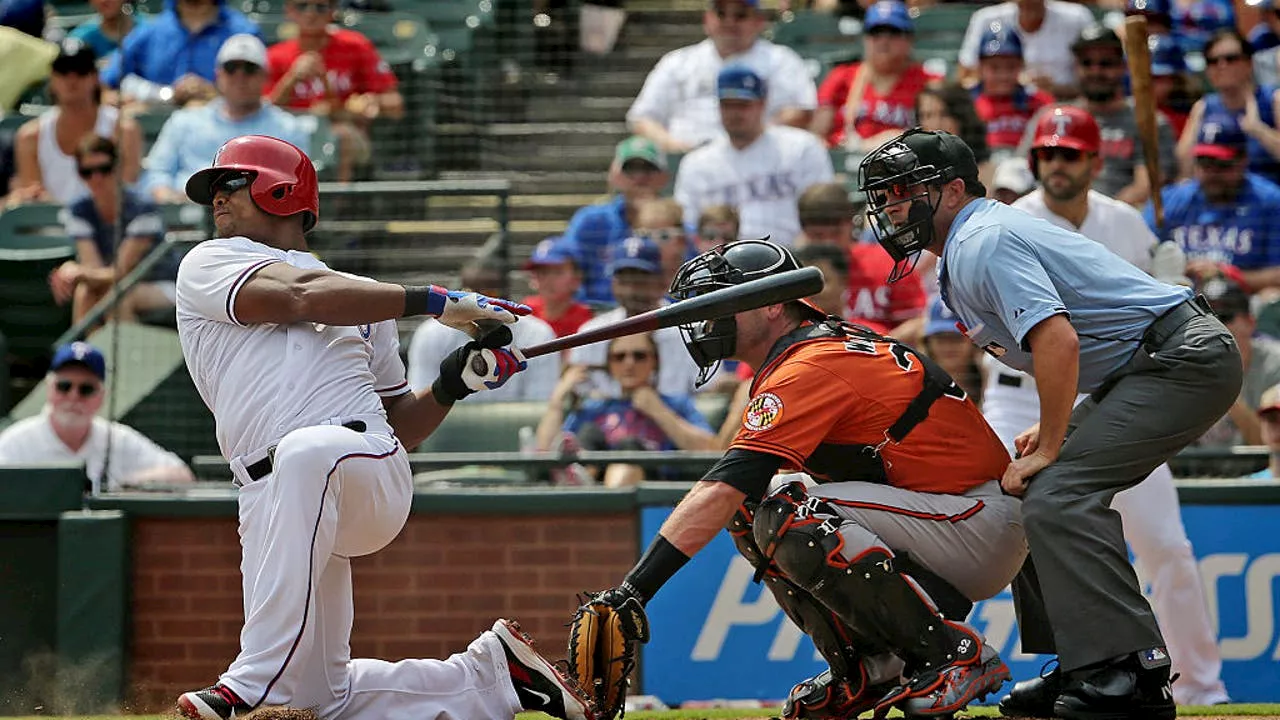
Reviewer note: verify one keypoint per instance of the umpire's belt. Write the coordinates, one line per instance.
(1163, 328)
(264, 464)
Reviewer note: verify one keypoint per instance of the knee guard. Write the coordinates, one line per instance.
(801, 535)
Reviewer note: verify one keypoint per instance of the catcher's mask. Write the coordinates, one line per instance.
(894, 174)
(733, 263)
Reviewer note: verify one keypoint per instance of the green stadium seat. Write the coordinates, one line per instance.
(29, 318)
(30, 225)
(805, 28)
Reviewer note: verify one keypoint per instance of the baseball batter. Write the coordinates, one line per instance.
(300, 366)
(1159, 368)
(888, 520)
(1065, 157)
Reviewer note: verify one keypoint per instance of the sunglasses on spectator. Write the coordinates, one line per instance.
(636, 355)
(1226, 59)
(86, 390)
(316, 7)
(720, 237)
(1104, 63)
(1049, 154)
(663, 236)
(230, 183)
(231, 67)
(88, 171)
(741, 14)
(1209, 163)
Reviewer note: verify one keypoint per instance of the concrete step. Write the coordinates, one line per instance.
(552, 207)
(653, 32)
(534, 183)
(622, 83)
(575, 134)
(529, 157)
(579, 109)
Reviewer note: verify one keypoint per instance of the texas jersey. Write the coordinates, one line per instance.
(822, 405)
(1244, 232)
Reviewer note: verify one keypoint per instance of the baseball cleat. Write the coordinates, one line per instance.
(956, 687)
(212, 703)
(539, 685)
(823, 697)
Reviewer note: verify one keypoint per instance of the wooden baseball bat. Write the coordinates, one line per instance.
(1138, 54)
(780, 288)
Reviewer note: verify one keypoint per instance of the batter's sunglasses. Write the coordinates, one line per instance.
(230, 183)
(85, 390)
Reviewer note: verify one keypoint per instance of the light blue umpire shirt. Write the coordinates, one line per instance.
(1003, 271)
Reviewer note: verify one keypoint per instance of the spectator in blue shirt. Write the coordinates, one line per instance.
(191, 136)
(1225, 213)
(638, 173)
(91, 221)
(105, 31)
(173, 57)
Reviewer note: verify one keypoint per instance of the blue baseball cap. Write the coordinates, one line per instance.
(941, 319)
(888, 13)
(82, 354)
(1166, 56)
(1148, 7)
(1220, 137)
(636, 253)
(744, 3)
(999, 40)
(739, 82)
(555, 250)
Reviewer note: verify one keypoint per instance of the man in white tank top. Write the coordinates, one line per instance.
(44, 148)
(1065, 159)
(301, 368)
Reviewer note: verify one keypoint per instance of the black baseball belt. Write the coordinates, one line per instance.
(1163, 328)
(263, 467)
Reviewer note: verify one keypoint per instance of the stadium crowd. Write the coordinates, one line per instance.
(732, 137)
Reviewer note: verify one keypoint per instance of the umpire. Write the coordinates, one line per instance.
(1159, 369)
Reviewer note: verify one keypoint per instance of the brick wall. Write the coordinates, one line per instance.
(428, 594)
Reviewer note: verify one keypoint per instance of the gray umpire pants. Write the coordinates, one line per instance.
(1077, 595)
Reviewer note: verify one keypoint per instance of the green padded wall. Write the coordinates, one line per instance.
(92, 617)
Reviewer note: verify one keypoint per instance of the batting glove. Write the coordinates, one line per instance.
(483, 364)
(463, 310)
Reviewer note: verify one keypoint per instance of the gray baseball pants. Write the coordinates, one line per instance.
(1077, 595)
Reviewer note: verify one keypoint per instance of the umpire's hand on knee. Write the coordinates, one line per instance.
(1027, 441)
(483, 364)
(1019, 472)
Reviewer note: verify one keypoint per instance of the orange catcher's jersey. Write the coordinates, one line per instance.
(824, 404)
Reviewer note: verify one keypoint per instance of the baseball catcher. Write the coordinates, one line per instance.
(863, 486)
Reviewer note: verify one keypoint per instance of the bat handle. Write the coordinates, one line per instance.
(478, 364)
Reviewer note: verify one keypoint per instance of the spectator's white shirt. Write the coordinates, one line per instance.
(1047, 50)
(33, 441)
(763, 180)
(677, 372)
(1116, 225)
(261, 381)
(432, 341)
(680, 91)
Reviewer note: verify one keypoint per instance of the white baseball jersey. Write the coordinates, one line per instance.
(32, 440)
(1047, 50)
(1149, 511)
(677, 372)
(763, 180)
(261, 381)
(680, 91)
(1115, 224)
(432, 341)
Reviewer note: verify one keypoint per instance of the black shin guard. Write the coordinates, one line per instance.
(801, 536)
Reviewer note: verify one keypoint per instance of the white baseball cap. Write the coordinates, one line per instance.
(245, 47)
(1013, 174)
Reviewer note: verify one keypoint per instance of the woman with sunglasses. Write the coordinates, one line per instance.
(44, 147)
(100, 261)
(641, 419)
(1228, 58)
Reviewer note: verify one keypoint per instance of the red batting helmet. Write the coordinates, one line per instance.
(283, 178)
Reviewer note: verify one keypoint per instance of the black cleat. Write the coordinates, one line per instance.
(539, 685)
(1133, 686)
(1034, 698)
(212, 703)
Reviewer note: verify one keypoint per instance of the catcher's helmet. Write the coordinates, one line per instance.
(905, 167)
(282, 178)
(723, 266)
(999, 40)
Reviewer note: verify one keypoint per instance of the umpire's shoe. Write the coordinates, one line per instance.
(1034, 698)
(1131, 686)
(218, 702)
(539, 685)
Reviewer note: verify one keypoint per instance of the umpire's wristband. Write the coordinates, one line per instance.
(661, 561)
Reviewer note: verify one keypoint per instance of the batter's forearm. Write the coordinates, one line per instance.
(414, 416)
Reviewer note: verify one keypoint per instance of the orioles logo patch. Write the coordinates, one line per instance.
(762, 412)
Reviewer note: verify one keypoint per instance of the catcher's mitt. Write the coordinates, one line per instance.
(602, 647)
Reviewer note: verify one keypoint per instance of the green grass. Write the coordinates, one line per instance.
(1263, 710)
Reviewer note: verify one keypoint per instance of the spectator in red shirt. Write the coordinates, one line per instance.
(826, 218)
(555, 277)
(1003, 103)
(333, 72)
(862, 105)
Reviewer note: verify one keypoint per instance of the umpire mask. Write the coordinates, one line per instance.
(893, 175)
(712, 341)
